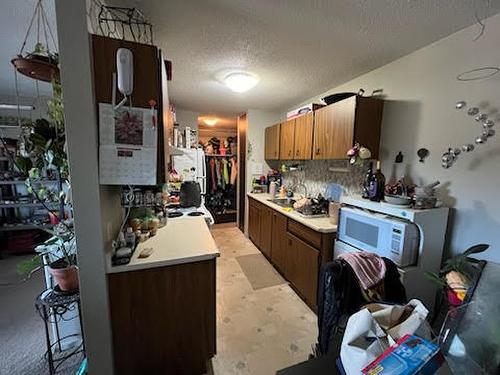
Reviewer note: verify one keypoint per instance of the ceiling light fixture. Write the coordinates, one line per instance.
(210, 121)
(241, 81)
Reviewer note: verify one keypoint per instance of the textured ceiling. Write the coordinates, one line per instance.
(298, 48)
(15, 16)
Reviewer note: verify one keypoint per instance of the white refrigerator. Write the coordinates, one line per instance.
(190, 164)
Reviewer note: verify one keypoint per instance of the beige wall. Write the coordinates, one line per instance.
(186, 118)
(421, 92)
(257, 121)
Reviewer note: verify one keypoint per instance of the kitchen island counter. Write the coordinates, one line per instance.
(322, 224)
(182, 240)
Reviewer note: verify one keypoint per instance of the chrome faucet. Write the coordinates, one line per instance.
(300, 184)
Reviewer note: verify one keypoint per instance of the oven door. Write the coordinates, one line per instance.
(365, 231)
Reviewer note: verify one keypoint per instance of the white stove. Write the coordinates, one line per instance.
(177, 212)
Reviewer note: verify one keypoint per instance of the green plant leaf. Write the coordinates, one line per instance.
(435, 278)
(476, 249)
(29, 265)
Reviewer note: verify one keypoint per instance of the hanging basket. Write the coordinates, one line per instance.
(43, 68)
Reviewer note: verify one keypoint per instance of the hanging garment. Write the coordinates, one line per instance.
(340, 295)
(225, 171)
(218, 172)
(213, 174)
(368, 267)
(234, 171)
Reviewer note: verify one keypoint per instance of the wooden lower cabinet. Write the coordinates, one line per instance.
(163, 319)
(302, 267)
(254, 222)
(279, 242)
(294, 249)
(266, 217)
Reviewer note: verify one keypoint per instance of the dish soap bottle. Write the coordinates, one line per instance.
(130, 238)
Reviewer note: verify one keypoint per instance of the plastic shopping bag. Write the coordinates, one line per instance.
(375, 328)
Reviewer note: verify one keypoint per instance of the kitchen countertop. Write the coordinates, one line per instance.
(180, 241)
(321, 224)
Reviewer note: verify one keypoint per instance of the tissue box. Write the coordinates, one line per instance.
(410, 355)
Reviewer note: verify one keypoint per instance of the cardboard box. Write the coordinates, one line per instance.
(410, 355)
(303, 110)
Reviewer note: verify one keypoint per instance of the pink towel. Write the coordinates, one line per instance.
(368, 267)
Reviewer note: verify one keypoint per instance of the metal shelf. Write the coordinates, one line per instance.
(17, 182)
(24, 227)
(26, 205)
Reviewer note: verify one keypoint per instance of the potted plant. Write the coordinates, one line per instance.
(43, 159)
(457, 274)
(59, 252)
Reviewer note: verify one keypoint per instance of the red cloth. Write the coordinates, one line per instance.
(368, 267)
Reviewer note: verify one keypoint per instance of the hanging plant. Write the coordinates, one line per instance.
(41, 63)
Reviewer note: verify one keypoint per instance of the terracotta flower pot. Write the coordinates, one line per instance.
(66, 278)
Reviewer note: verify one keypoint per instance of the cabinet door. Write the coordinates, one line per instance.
(334, 130)
(302, 265)
(266, 230)
(287, 138)
(254, 222)
(279, 242)
(303, 136)
(272, 143)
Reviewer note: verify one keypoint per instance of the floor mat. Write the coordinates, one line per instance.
(259, 271)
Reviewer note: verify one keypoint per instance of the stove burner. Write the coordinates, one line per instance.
(195, 213)
(171, 215)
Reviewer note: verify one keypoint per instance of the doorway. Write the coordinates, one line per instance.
(218, 136)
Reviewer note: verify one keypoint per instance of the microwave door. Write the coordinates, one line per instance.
(364, 232)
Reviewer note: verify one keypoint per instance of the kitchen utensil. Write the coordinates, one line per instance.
(330, 99)
(398, 200)
(422, 153)
(190, 194)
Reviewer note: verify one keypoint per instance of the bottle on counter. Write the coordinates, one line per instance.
(377, 185)
(366, 182)
(130, 237)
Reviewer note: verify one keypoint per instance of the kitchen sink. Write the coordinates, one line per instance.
(283, 202)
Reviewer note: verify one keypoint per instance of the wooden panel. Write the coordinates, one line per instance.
(279, 243)
(305, 233)
(254, 221)
(303, 137)
(323, 133)
(242, 162)
(146, 70)
(334, 130)
(368, 123)
(163, 319)
(302, 268)
(272, 143)
(287, 138)
(343, 128)
(266, 230)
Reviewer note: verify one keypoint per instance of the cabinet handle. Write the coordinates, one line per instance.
(317, 151)
(297, 153)
(290, 153)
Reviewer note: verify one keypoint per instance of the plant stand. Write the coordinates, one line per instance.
(51, 306)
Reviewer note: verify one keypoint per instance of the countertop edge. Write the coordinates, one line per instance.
(162, 263)
(262, 198)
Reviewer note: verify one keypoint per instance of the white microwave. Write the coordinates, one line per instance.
(384, 235)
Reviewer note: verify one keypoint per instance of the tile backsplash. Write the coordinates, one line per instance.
(316, 175)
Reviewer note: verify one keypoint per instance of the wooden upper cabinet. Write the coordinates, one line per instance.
(287, 140)
(272, 143)
(303, 136)
(338, 126)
